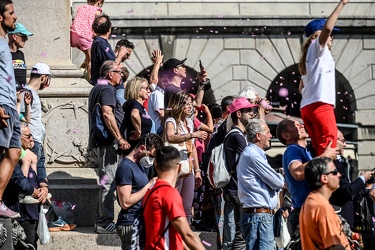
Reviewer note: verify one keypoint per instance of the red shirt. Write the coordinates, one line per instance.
(163, 206)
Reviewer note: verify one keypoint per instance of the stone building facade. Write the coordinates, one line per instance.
(240, 43)
(257, 43)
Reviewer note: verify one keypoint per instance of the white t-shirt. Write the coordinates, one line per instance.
(155, 103)
(319, 80)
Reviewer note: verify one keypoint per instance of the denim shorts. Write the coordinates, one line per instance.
(10, 137)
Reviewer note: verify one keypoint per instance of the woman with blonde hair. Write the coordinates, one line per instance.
(179, 129)
(136, 121)
(318, 83)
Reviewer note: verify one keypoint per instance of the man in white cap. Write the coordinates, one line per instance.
(40, 78)
(17, 39)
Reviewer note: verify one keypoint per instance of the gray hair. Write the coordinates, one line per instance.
(254, 127)
(24, 125)
(106, 67)
(249, 93)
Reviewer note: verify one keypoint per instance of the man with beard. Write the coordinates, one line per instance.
(235, 142)
(10, 133)
(40, 78)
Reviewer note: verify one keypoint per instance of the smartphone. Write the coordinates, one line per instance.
(201, 66)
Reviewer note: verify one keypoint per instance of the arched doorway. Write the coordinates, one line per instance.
(284, 90)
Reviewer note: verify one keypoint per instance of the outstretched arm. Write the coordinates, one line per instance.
(330, 24)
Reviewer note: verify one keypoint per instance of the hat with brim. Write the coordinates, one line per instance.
(173, 63)
(41, 69)
(315, 25)
(241, 103)
(20, 29)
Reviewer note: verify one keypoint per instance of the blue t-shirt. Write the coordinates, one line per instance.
(130, 173)
(101, 51)
(298, 189)
(7, 79)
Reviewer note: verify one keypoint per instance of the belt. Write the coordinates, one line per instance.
(253, 210)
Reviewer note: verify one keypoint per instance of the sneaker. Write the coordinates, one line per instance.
(58, 225)
(5, 212)
(28, 199)
(110, 229)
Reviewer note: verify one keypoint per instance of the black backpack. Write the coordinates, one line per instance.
(362, 216)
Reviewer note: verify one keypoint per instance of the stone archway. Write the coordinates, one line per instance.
(284, 90)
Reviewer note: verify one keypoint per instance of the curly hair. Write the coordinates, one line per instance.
(305, 47)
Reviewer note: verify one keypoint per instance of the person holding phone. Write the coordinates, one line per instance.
(175, 71)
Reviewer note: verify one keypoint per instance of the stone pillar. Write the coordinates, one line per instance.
(64, 103)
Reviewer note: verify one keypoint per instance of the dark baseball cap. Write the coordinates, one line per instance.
(173, 63)
(315, 25)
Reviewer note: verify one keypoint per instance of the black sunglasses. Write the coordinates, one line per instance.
(334, 172)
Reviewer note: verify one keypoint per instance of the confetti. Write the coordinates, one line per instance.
(168, 108)
(43, 54)
(283, 92)
(130, 11)
(103, 180)
(206, 243)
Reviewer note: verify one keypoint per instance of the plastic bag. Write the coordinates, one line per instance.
(42, 230)
(283, 239)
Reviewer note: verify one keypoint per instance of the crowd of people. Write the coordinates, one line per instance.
(152, 141)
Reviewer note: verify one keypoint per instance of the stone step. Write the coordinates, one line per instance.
(85, 238)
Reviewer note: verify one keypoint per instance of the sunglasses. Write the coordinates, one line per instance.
(28, 136)
(333, 172)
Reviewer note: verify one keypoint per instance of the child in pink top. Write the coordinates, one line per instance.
(81, 33)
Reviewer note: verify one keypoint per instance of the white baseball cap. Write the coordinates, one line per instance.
(41, 69)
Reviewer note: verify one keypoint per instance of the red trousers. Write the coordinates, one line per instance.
(320, 122)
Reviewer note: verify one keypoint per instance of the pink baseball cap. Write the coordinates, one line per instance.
(241, 103)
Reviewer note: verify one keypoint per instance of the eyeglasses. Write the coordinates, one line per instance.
(333, 172)
(28, 136)
(118, 72)
(23, 36)
(342, 140)
(146, 88)
(189, 103)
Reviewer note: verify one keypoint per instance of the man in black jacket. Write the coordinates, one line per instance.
(342, 197)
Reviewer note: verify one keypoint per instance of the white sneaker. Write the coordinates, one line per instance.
(28, 199)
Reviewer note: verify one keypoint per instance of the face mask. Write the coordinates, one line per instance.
(147, 161)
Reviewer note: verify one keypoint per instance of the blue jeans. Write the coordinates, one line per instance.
(228, 227)
(257, 229)
(41, 167)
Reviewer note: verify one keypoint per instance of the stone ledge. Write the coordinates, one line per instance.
(86, 238)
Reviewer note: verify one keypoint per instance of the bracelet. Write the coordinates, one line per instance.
(120, 139)
(191, 135)
(185, 137)
(197, 170)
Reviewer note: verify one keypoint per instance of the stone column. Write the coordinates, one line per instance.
(64, 104)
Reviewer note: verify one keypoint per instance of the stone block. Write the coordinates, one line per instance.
(366, 148)
(51, 40)
(295, 48)
(239, 43)
(365, 117)
(283, 49)
(259, 64)
(368, 42)
(239, 73)
(79, 187)
(366, 133)
(366, 162)
(273, 9)
(202, 9)
(8, 225)
(324, 9)
(259, 81)
(225, 59)
(134, 9)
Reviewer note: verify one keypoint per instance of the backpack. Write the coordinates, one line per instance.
(362, 215)
(217, 171)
